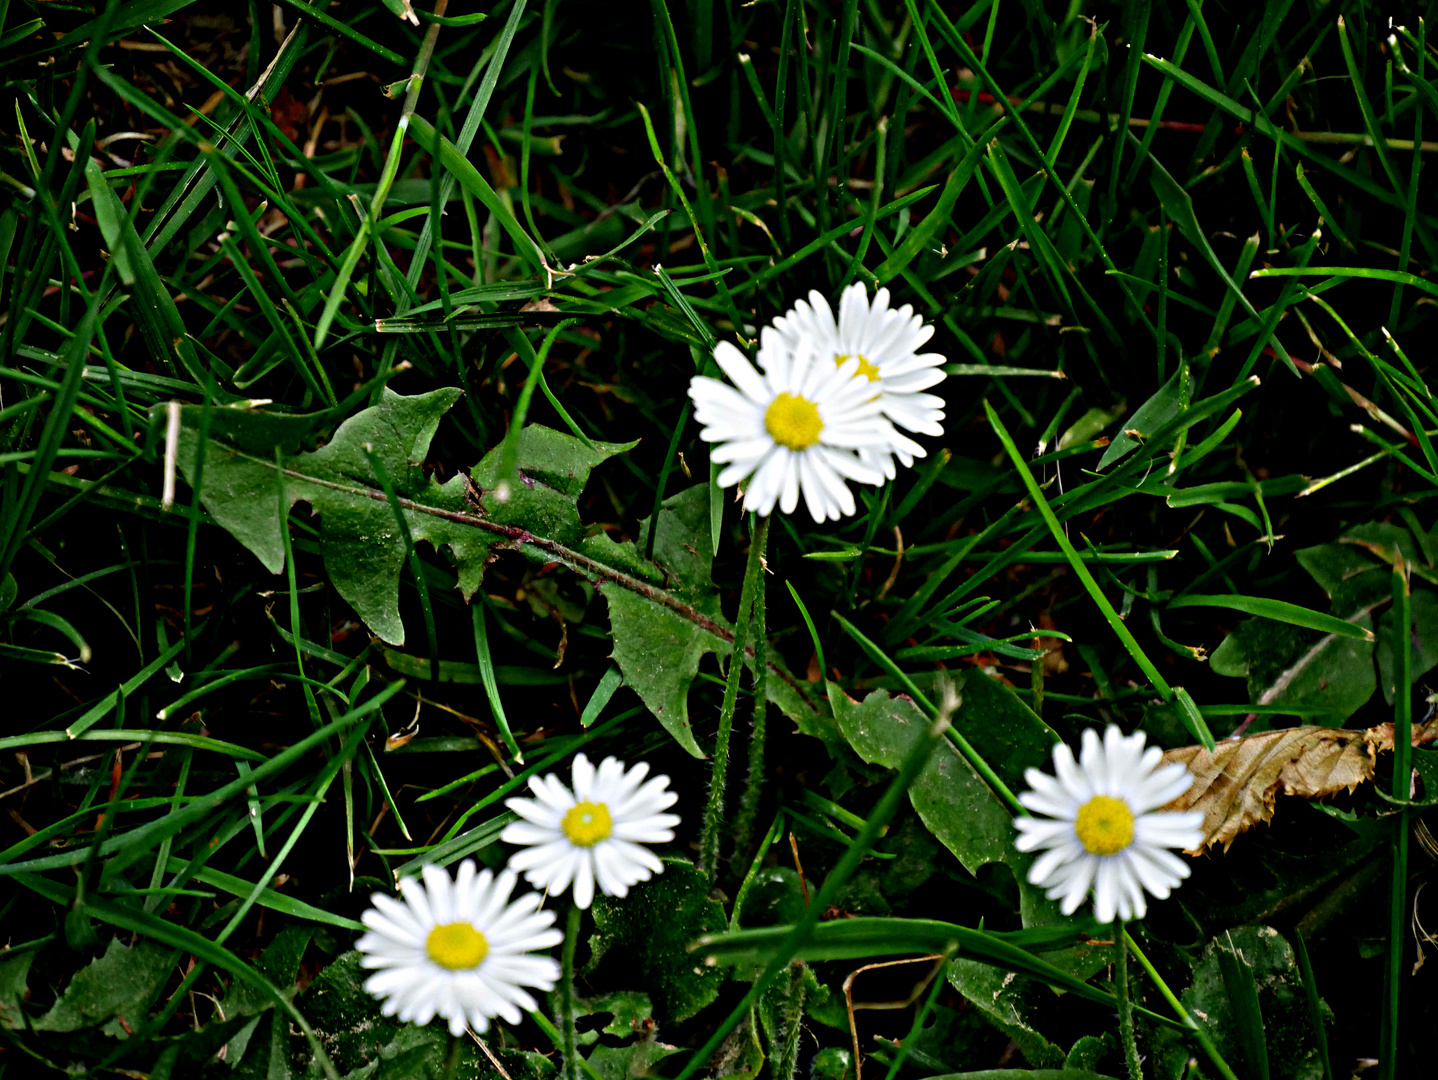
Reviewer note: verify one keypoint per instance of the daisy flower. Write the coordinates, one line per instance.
(1103, 833)
(886, 342)
(591, 834)
(458, 949)
(793, 429)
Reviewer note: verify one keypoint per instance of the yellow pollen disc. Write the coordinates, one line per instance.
(587, 823)
(1104, 825)
(866, 369)
(457, 946)
(793, 422)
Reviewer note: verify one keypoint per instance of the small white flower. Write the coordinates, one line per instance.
(886, 342)
(793, 429)
(593, 833)
(458, 949)
(1104, 834)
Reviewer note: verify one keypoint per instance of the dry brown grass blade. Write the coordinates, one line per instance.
(1236, 785)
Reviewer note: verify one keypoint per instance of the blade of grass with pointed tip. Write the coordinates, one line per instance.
(1118, 626)
(1278, 610)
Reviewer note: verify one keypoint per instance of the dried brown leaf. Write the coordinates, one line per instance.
(1237, 784)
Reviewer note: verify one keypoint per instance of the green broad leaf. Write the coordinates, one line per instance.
(1150, 416)
(664, 614)
(1239, 982)
(1298, 663)
(630, 1011)
(658, 645)
(1006, 1003)
(423, 1052)
(1088, 1050)
(337, 1004)
(1271, 972)
(1289, 666)
(629, 1062)
(952, 800)
(1423, 639)
(658, 649)
(644, 938)
(280, 963)
(553, 469)
(832, 1063)
(13, 989)
(250, 457)
(775, 898)
(121, 985)
(1008, 734)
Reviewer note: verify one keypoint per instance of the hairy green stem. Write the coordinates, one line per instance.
(566, 993)
(714, 810)
(793, 1023)
(1125, 1010)
(754, 785)
(894, 795)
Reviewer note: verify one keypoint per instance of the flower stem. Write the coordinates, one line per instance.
(566, 993)
(1125, 1008)
(714, 811)
(793, 1023)
(1182, 1013)
(754, 785)
(452, 1056)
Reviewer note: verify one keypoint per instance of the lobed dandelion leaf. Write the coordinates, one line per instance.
(664, 613)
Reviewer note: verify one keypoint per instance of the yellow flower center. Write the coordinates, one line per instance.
(866, 369)
(587, 823)
(793, 422)
(457, 946)
(1105, 825)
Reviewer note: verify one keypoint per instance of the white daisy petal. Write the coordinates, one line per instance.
(457, 949)
(816, 408)
(1101, 828)
(596, 843)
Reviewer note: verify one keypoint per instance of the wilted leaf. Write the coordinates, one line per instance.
(1236, 785)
